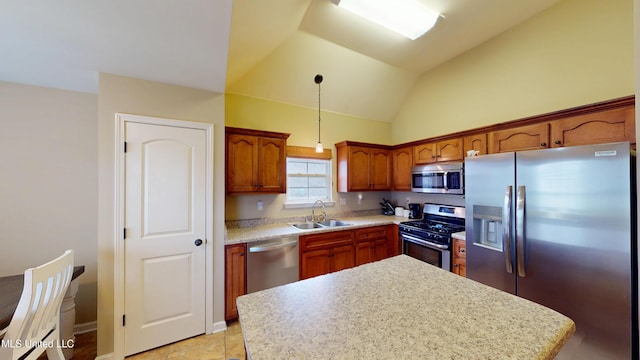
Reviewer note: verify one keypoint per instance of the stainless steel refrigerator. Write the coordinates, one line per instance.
(557, 227)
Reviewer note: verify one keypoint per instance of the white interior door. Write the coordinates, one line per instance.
(164, 245)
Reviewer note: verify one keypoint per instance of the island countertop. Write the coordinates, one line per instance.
(397, 308)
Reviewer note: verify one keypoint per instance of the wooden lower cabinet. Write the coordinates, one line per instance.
(372, 244)
(235, 278)
(326, 252)
(324, 261)
(459, 257)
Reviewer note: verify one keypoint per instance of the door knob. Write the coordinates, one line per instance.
(198, 242)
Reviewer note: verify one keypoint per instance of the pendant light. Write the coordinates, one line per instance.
(318, 80)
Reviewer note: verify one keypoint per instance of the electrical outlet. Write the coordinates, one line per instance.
(260, 208)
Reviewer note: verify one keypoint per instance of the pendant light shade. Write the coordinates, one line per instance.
(318, 79)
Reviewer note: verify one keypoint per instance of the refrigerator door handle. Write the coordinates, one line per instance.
(506, 233)
(521, 202)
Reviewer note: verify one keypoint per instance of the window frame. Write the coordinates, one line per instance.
(309, 155)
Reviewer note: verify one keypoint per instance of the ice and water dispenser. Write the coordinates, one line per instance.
(487, 227)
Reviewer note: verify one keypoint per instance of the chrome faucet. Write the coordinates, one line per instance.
(313, 213)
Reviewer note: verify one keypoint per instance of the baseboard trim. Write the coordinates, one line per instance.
(85, 328)
(219, 326)
(108, 356)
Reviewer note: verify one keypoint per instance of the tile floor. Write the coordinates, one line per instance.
(220, 346)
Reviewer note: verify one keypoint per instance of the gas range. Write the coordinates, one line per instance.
(429, 239)
(437, 225)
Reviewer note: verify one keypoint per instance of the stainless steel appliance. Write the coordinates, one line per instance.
(557, 227)
(272, 263)
(447, 178)
(429, 239)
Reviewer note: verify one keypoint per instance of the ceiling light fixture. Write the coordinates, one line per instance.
(318, 80)
(407, 17)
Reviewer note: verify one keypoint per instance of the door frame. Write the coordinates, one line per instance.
(118, 241)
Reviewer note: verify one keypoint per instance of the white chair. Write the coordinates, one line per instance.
(34, 327)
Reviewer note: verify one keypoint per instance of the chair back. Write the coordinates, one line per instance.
(34, 326)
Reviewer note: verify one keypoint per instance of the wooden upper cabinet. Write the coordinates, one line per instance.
(476, 142)
(402, 164)
(256, 161)
(424, 153)
(363, 167)
(601, 127)
(520, 138)
(445, 150)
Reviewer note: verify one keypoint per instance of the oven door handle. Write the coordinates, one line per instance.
(422, 242)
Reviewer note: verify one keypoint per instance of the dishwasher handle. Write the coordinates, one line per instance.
(274, 246)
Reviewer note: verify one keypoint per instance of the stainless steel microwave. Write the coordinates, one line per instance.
(438, 178)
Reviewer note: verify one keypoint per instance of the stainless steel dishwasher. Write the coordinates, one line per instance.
(272, 263)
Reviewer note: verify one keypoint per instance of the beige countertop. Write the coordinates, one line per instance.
(272, 231)
(460, 235)
(397, 308)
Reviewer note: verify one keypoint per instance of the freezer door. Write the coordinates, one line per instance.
(489, 200)
(577, 243)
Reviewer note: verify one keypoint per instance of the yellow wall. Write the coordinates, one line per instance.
(125, 95)
(302, 124)
(575, 53)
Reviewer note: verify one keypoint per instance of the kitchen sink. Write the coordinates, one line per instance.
(332, 223)
(306, 226)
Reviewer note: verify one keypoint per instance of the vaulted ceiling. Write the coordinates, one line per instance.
(265, 49)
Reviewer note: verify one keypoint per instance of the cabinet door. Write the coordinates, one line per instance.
(314, 263)
(522, 138)
(342, 257)
(364, 253)
(475, 142)
(450, 150)
(601, 127)
(459, 267)
(459, 257)
(402, 164)
(424, 153)
(380, 169)
(358, 168)
(235, 277)
(379, 249)
(272, 157)
(242, 163)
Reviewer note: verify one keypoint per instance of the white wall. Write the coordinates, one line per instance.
(49, 182)
(132, 96)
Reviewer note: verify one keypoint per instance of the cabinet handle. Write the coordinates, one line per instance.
(558, 142)
(241, 254)
(543, 144)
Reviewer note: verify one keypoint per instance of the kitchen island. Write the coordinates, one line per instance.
(397, 308)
